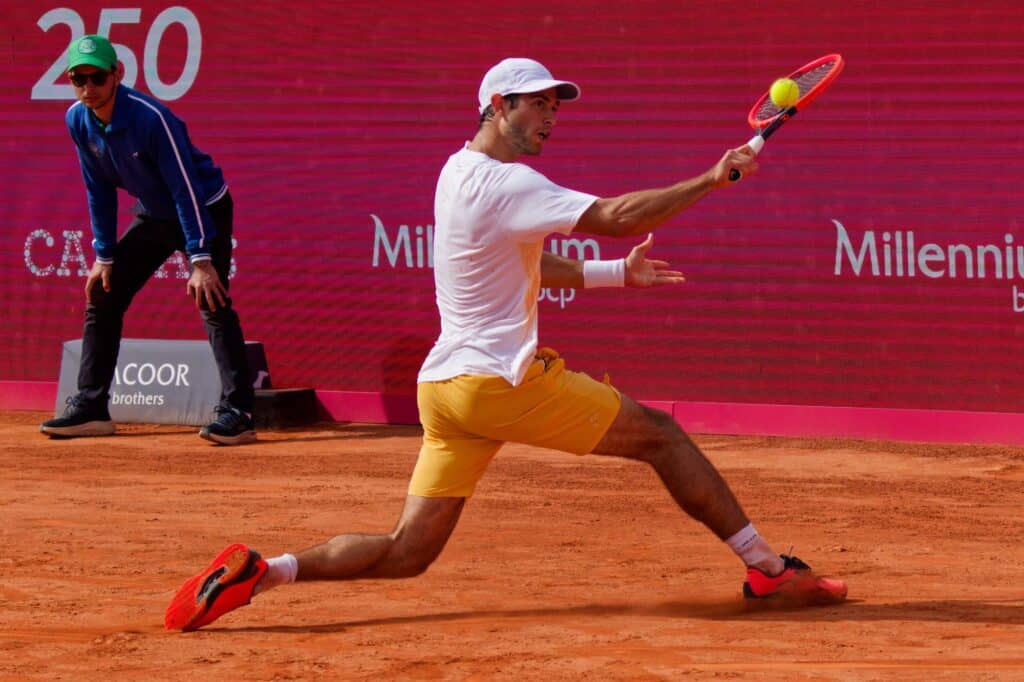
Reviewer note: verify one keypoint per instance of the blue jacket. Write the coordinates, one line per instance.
(145, 150)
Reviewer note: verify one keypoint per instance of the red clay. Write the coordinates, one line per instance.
(561, 568)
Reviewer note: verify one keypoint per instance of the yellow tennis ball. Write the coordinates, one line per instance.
(784, 93)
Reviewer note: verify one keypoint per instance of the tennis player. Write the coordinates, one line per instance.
(486, 382)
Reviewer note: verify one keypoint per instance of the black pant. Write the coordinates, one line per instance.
(138, 254)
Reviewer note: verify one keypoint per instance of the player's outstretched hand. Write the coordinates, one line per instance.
(641, 272)
(742, 159)
(204, 286)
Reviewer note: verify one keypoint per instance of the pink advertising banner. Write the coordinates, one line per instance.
(875, 262)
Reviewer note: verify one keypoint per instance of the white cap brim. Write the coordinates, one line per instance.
(567, 91)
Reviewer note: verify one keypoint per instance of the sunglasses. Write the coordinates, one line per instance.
(97, 78)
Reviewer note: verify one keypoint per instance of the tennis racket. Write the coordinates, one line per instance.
(812, 79)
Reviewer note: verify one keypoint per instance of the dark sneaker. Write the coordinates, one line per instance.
(231, 427)
(796, 585)
(80, 419)
(227, 583)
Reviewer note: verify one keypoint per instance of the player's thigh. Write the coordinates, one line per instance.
(552, 408)
(452, 458)
(638, 432)
(451, 466)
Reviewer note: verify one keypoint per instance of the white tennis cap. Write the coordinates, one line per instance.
(518, 75)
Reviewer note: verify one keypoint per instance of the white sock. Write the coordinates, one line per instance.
(281, 570)
(755, 551)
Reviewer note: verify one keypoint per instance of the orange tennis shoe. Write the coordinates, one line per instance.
(796, 585)
(226, 584)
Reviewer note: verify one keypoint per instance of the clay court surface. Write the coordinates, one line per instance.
(562, 568)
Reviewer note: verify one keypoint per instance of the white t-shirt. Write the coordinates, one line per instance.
(490, 221)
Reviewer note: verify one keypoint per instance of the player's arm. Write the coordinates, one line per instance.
(642, 211)
(559, 272)
(635, 270)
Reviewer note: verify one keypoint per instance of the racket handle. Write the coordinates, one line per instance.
(756, 144)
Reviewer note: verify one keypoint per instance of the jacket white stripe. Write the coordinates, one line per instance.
(181, 166)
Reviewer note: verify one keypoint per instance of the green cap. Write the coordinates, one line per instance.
(93, 50)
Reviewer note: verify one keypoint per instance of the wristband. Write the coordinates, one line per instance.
(604, 273)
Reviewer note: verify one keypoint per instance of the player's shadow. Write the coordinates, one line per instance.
(1009, 612)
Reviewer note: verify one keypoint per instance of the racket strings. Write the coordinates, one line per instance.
(806, 81)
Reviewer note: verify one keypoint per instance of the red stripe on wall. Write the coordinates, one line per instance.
(808, 421)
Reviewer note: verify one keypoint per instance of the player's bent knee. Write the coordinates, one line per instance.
(403, 560)
(640, 433)
(663, 422)
(662, 434)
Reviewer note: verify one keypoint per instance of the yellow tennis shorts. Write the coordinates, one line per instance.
(467, 419)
